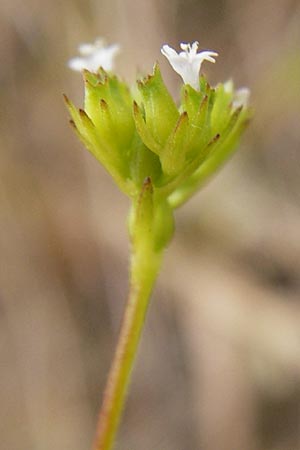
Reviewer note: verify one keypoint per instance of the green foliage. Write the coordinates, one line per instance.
(157, 153)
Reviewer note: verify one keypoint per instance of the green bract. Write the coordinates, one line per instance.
(158, 153)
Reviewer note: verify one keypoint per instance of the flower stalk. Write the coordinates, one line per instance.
(128, 341)
(159, 154)
(145, 264)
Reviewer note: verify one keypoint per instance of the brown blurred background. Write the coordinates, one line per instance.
(219, 366)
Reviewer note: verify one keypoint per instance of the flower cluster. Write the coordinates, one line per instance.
(147, 142)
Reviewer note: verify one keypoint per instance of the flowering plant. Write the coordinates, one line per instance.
(159, 154)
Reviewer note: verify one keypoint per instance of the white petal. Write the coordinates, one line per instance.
(86, 49)
(188, 62)
(179, 64)
(77, 64)
(95, 56)
(206, 56)
(169, 52)
(194, 47)
(241, 97)
(185, 47)
(228, 86)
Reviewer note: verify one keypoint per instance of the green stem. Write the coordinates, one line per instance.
(144, 267)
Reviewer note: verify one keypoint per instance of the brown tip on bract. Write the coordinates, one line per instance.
(135, 107)
(87, 82)
(147, 184)
(203, 103)
(72, 123)
(103, 104)
(102, 71)
(148, 78)
(214, 139)
(235, 115)
(66, 99)
(151, 76)
(156, 67)
(182, 118)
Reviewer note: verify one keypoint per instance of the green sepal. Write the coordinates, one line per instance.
(198, 105)
(115, 93)
(87, 132)
(220, 150)
(97, 146)
(200, 130)
(191, 99)
(144, 131)
(174, 152)
(161, 113)
(143, 162)
(220, 114)
(151, 221)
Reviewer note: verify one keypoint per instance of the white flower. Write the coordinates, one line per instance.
(94, 56)
(188, 63)
(240, 96)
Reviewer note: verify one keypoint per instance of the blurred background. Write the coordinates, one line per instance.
(219, 364)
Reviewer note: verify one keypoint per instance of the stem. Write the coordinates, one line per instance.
(144, 268)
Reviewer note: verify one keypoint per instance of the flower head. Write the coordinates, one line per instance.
(93, 56)
(188, 62)
(142, 134)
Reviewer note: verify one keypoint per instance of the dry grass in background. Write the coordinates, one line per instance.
(219, 367)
